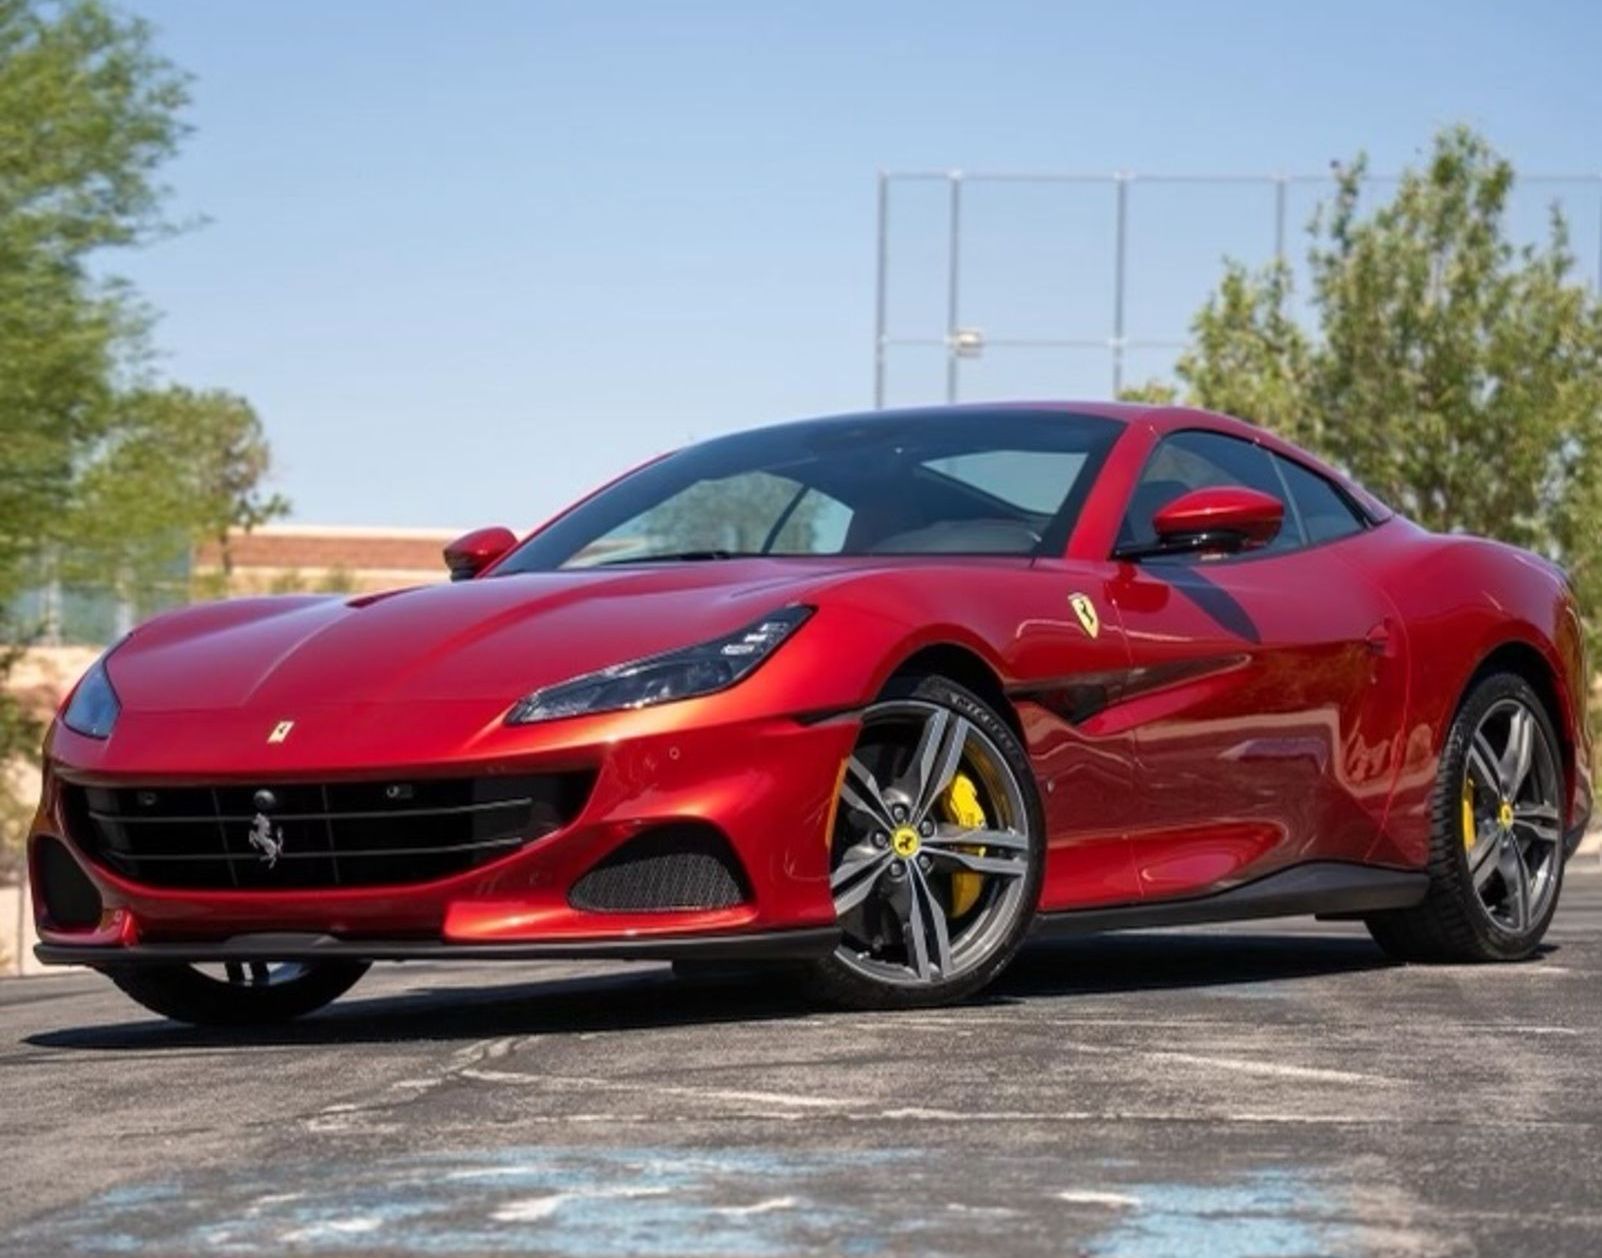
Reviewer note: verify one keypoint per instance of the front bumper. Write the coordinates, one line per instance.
(767, 784)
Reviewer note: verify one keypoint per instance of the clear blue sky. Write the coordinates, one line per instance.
(468, 258)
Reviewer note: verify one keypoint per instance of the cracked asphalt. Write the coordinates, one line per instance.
(1271, 1089)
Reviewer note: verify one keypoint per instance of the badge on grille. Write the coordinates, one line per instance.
(264, 836)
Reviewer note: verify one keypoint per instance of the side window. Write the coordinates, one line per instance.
(1325, 512)
(1202, 460)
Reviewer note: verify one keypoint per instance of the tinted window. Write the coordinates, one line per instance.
(1202, 460)
(1008, 482)
(1325, 512)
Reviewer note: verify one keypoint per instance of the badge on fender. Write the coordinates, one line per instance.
(1089, 621)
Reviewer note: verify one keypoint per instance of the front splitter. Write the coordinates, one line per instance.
(774, 945)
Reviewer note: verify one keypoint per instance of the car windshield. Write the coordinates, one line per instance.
(992, 482)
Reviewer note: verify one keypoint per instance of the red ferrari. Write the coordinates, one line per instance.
(878, 697)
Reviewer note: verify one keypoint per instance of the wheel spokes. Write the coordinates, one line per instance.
(934, 761)
(857, 876)
(935, 917)
(1483, 857)
(1519, 752)
(975, 864)
(1541, 820)
(1486, 763)
(1006, 840)
(924, 932)
(1516, 877)
(860, 790)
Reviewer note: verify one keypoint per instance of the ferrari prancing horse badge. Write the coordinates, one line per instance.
(1086, 611)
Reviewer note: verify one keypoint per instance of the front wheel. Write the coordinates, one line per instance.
(937, 851)
(1496, 857)
(239, 993)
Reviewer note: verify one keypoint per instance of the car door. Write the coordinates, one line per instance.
(1265, 688)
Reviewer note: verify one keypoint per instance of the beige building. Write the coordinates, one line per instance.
(284, 558)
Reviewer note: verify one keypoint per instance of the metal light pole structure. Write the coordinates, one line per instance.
(960, 342)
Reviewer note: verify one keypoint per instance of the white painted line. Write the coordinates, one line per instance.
(331, 1229)
(760, 1207)
(530, 1209)
(1270, 1069)
(784, 1100)
(1090, 1197)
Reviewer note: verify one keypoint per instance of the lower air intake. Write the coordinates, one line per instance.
(674, 867)
(69, 897)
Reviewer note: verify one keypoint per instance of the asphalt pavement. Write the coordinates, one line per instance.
(1274, 1089)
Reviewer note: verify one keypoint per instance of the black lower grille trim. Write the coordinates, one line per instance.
(673, 867)
(299, 835)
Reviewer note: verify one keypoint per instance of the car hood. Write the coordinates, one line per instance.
(493, 639)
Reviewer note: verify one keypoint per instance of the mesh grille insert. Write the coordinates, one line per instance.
(683, 866)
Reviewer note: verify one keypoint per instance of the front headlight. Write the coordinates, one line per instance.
(682, 674)
(94, 707)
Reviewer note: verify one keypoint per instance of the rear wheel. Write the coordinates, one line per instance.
(937, 851)
(1496, 860)
(238, 993)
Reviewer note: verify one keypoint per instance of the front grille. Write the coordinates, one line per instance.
(686, 865)
(326, 834)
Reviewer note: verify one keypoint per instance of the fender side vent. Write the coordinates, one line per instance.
(687, 865)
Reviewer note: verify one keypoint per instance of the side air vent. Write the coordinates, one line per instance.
(682, 866)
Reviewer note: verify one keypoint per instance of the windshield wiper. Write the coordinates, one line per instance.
(675, 556)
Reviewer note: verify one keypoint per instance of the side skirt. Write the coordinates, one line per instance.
(1324, 888)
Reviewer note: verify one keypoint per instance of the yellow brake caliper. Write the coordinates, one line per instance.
(960, 806)
(1468, 812)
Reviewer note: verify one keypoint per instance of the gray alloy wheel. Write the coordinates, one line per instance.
(1497, 853)
(237, 993)
(1513, 816)
(936, 854)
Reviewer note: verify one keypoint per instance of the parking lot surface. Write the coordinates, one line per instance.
(1273, 1089)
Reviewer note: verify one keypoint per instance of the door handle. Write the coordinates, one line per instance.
(1379, 639)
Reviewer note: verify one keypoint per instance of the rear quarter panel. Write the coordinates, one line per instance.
(1461, 599)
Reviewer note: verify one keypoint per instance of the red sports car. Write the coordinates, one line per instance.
(878, 697)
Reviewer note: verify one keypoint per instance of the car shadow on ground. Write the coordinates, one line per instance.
(651, 998)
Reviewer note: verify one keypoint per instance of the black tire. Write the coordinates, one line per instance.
(833, 982)
(185, 994)
(1450, 925)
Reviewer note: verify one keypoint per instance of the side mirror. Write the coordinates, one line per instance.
(1224, 518)
(471, 553)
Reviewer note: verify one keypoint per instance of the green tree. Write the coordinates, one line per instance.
(87, 113)
(1456, 374)
(183, 467)
(102, 474)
